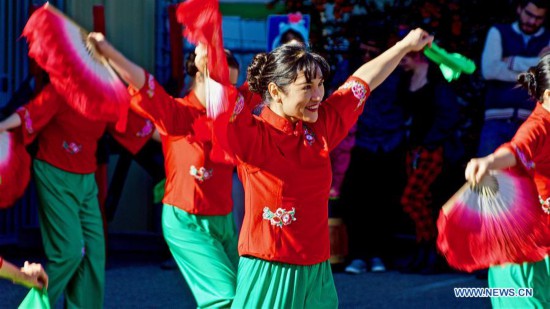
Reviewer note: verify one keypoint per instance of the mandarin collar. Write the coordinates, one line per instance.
(194, 101)
(280, 123)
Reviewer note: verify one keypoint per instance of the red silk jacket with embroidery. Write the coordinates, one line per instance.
(531, 146)
(67, 139)
(286, 173)
(194, 182)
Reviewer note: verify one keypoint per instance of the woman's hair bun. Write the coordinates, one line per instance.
(254, 73)
(527, 81)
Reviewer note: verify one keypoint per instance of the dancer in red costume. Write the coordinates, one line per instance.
(197, 217)
(70, 220)
(283, 161)
(527, 152)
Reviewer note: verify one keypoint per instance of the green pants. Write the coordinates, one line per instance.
(264, 284)
(526, 275)
(72, 233)
(205, 249)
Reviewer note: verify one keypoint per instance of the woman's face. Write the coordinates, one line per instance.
(303, 98)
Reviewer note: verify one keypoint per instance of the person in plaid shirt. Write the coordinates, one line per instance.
(434, 113)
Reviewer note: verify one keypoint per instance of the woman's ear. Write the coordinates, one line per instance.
(546, 95)
(274, 92)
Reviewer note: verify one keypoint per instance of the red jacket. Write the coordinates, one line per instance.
(68, 140)
(286, 173)
(194, 182)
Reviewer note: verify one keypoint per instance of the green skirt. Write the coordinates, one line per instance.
(265, 284)
(526, 275)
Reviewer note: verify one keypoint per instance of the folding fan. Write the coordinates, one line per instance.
(497, 221)
(81, 75)
(15, 166)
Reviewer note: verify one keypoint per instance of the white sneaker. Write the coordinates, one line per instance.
(356, 266)
(376, 265)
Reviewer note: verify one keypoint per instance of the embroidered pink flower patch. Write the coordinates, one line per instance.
(359, 91)
(146, 130)
(239, 105)
(151, 86)
(72, 148)
(309, 135)
(545, 205)
(281, 217)
(27, 120)
(529, 165)
(201, 174)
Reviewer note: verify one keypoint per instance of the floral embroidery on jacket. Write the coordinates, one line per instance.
(529, 165)
(151, 86)
(27, 120)
(280, 217)
(239, 105)
(72, 148)
(359, 91)
(309, 135)
(200, 174)
(146, 130)
(545, 205)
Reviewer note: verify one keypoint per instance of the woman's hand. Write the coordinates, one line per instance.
(477, 168)
(34, 275)
(100, 43)
(417, 39)
(130, 72)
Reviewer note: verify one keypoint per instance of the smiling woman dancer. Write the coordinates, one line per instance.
(283, 157)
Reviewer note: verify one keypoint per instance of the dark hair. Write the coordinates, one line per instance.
(281, 66)
(192, 70)
(290, 35)
(232, 62)
(537, 79)
(190, 67)
(541, 4)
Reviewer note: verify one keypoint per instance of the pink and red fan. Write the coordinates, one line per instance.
(498, 221)
(82, 76)
(15, 167)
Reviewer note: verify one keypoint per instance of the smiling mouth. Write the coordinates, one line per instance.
(312, 108)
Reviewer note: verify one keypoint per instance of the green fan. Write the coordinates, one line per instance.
(450, 64)
(37, 299)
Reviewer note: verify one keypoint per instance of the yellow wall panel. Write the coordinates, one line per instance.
(130, 26)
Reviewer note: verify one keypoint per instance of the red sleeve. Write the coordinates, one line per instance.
(138, 131)
(340, 111)
(151, 101)
(238, 131)
(526, 145)
(36, 114)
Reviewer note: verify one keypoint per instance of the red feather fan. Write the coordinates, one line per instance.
(78, 73)
(203, 24)
(495, 222)
(15, 166)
